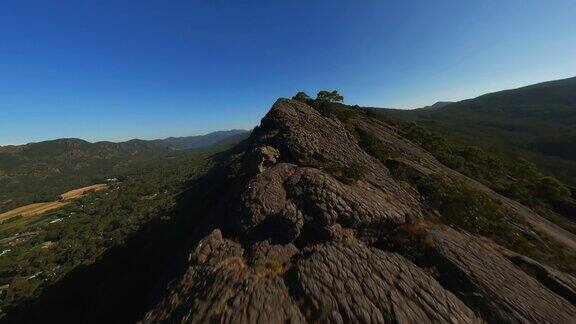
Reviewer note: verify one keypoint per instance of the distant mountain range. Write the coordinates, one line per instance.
(180, 143)
(536, 122)
(191, 142)
(40, 171)
(438, 105)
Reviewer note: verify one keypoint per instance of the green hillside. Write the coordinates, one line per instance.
(37, 252)
(536, 122)
(39, 172)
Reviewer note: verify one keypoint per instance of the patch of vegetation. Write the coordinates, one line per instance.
(347, 173)
(40, 172)
(354, 171)
(464, 207)
(54, 244)
(272, 268)
(535, 122)
(329, 103)
(519, 179)
(11, 219)
(373, 146)
(411, 240)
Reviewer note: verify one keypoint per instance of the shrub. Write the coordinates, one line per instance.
(462, 206)
(329, 96)
(302, 96)
(372, 145)
(349, 173)
(517, 179)
(551, 190)
(354, 171)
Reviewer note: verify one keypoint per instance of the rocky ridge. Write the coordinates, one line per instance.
(300, 237)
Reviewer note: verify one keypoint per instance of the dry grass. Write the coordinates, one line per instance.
(72, 194)
(32, 209)
(41, 208)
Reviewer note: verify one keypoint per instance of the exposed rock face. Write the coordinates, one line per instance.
(417, 162)
(351, 283)
(220, 287)
(501, 291)
(260, 158)
(561, 283)
(292, 241)
(279, 202)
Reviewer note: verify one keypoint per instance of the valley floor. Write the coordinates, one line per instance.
(37, 209)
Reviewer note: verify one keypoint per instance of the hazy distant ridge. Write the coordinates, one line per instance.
(191, 142)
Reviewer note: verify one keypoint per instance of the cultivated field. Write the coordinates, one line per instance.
(33, 209)
(41, 208)
(72, 194)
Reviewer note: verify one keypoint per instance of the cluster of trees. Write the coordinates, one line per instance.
(536, 122)
(91, 225)
(40, 172)
(518, 179)
(321, 96)
(465, 207)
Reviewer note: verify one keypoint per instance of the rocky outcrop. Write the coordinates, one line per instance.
(561, 283)
(278, 203)
(220, 286)
(484, 278)
(333, 282)
(300, 236)
(260, 158)
(416, 162)
(351, 283)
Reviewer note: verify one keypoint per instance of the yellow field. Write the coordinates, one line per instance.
(41, 208)
(72, 194)
(32, 209)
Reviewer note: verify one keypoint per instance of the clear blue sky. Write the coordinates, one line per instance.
(114, 70)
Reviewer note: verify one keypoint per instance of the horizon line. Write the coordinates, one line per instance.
(123, 140)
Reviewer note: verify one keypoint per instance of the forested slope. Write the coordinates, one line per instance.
(536, 122)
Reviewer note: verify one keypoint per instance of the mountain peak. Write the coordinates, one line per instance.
(310, 208)
(438, 105)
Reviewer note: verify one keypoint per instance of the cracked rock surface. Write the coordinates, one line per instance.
(350, 283)
(220, 287)
(500, 290)
(292, 240)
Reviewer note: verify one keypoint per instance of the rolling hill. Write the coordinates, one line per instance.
(537, 122)
(39, 172)
(191, 142)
